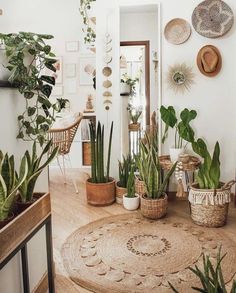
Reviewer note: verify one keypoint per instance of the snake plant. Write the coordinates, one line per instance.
(98, 174)
(124, 170)
(130, 184)
(9, 183)
(209, 172)
(35, 168)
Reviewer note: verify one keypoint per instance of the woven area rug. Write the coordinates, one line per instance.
(128, 253)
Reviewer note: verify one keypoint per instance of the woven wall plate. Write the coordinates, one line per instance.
(177, 31)
(107, 84)
(212, 18)
(107, 71)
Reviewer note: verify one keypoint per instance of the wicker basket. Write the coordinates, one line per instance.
(140, 187)
(120, 191)
(134, 127)
(154, 208)
(209, 207)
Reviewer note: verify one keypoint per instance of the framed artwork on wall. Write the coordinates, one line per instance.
(72, 46)
(87, 69)
(70, 70)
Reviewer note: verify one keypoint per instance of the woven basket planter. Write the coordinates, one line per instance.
(209, 207)
(140, 187)
(120, 191)
(134, 127)
(154, 208)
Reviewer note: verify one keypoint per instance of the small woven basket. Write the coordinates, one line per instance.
(154, 208)
(134, 127)
(209, 207)
(120, 191)
(140, 187)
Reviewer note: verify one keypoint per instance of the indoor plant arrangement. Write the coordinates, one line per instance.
(209, 197)
(100, 187)
(124, 170)
(131, 199)
(134, 115)
(35, 168)
(183, 129)
(128, 85)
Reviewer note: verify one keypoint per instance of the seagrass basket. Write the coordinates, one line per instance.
(154, 208)
(134, 127)
(140, 187)
(209, 207)
(120, 191)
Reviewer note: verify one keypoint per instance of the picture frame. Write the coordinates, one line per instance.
(70, 70)
(87, 69)
(72, 46)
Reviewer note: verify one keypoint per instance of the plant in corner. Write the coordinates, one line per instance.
(183, 129)
(35, 168)
(209, 197)
(131, 199)
(100, 187)
(9, 184)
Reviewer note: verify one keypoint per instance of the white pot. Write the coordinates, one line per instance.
(125, 88)
(131, 203)
(175, 153)
(4, 72)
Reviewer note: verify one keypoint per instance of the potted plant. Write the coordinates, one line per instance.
(131, 199)
(154, 201)
(183, 130)
(128, 85)
(134, 115)
(209, 197)
(9, 184)
(100, 188)
(124, 170)
(35, 168)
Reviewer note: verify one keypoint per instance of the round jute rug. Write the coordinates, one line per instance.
(128, 253)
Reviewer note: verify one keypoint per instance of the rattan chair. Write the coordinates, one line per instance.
(63, 138)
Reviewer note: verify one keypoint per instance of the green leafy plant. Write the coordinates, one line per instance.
(35, 168)
(211, 277)
(183, 130)
(131, 185)
(134, 113)
(28, 54)
(90, 34)
(98, 174)
(208, 176)
(62, 104)
(9, 183)
(130, 81)
(124, 170)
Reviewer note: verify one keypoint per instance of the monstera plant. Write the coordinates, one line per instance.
(28, 54)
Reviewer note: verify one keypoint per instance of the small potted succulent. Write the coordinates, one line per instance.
(134, 115)
(209, 197)
(183, 130)
(100, 188)
(9, 184)
(35, 168)
(124, 170)
(131, 199)
(128, 85)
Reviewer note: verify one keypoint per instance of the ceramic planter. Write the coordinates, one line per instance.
(154, 208)
(120, 191)
(131, 203)
(125, 89)
(100, 194)
(175, 153)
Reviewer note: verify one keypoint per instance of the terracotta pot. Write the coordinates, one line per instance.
(100, 194)
(131, 203)
(120, 191)
(134, 127)
(154, 208)
(6, 221)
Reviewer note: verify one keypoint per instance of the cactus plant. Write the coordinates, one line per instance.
(9, 183)
(124, 170)
(98, 174)
(130, 185)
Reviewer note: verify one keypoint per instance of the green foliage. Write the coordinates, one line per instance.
(183, 130)
(134, 113)
(124, 170)
(130, 184)
(130, 81)
(35, 168)
(62, 103)
(209, 172)
(90, 34)
(97, 153)
(35, 87)
(9, 183)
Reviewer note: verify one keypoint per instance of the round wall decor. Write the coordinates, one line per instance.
(177, 31)
(212, 18)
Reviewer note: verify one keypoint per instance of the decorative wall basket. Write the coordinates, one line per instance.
(177, 31)
(212, 18)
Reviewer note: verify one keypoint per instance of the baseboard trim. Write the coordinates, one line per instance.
(42, 285)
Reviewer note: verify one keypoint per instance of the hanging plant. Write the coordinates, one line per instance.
(28, 54)
(89, 22)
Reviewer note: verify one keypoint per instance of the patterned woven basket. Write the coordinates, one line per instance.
(140, 187)
(120, 191)
(154, 208)
(134, 127)
(209, 207)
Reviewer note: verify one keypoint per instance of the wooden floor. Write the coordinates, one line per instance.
(70, 211)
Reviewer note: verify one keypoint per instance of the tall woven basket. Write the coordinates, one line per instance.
(209, 207)
(154, 208)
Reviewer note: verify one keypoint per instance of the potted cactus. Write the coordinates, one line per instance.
(131, 199)
(100, 188)
(124, 170)
(9, 184)
(35, 168)
(154, 201)
(209, 197)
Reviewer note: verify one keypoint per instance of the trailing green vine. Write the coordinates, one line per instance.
(90, 34)
(28, 54)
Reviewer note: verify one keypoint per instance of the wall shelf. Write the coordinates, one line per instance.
(7, 84)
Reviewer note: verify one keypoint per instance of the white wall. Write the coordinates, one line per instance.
(213, 98)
